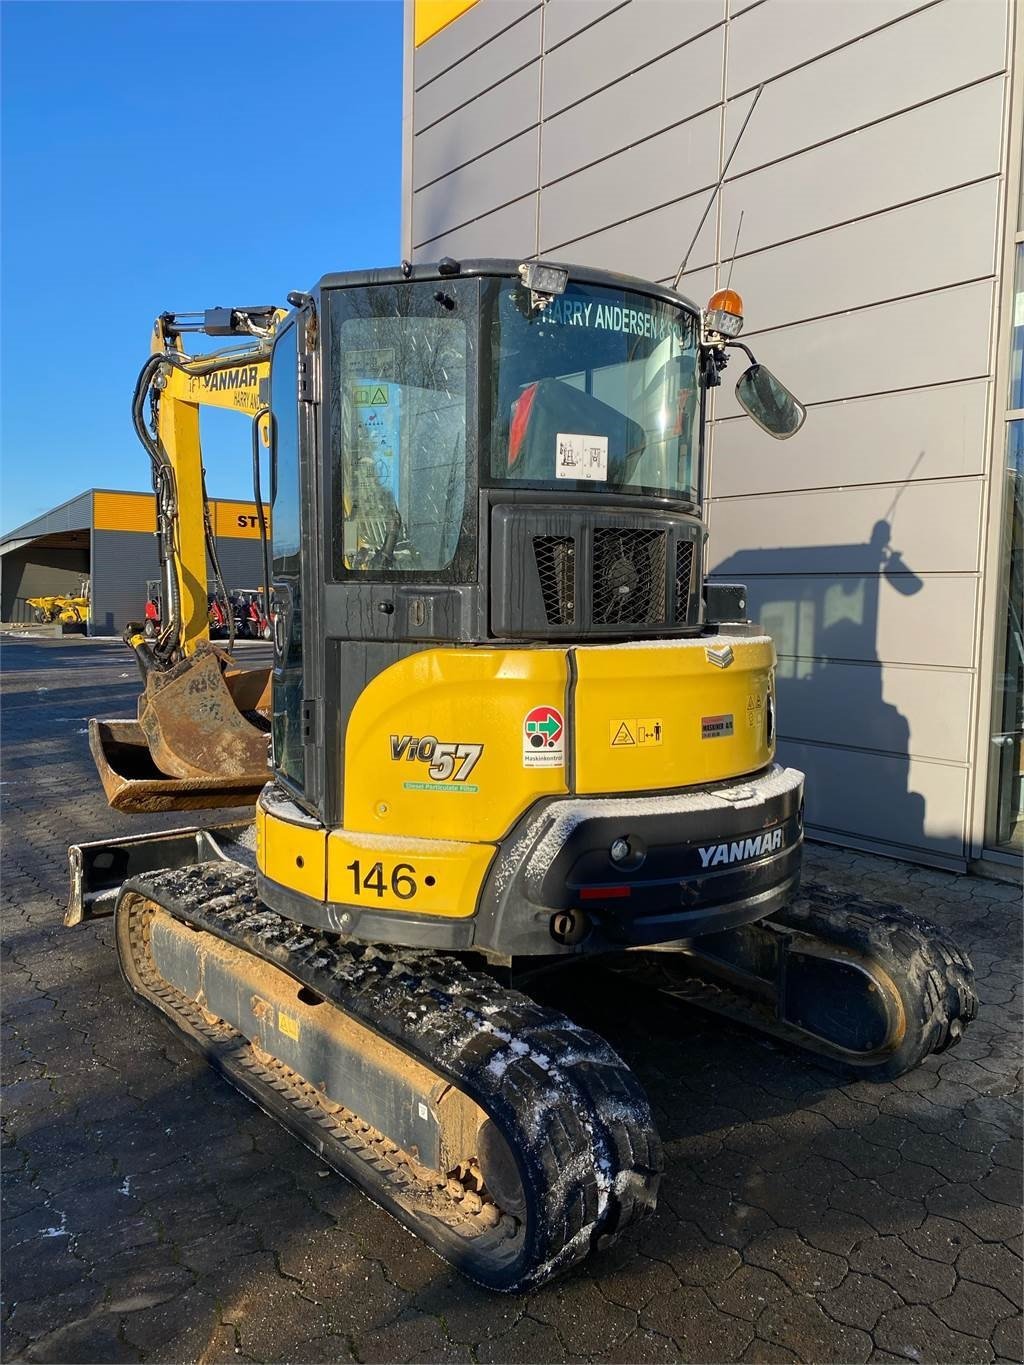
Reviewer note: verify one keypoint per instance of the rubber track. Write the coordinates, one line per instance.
(589, 1154)
(935, 976)
(938, 971)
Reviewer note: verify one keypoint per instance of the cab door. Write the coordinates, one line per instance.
(293, 733)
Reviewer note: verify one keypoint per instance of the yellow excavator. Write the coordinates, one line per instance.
(511, 727)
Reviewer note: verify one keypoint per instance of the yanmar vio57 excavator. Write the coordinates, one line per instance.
(509, 727)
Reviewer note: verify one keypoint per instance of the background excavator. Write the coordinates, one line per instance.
(511, 728)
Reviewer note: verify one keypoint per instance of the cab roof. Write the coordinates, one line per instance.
(579, 274)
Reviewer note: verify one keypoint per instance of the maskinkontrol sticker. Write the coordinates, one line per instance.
(543, 738)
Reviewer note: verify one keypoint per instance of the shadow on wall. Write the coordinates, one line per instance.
(829, 677)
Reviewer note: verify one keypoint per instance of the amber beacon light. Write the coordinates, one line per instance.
(724, 313)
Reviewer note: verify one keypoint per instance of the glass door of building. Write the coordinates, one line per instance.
(1006, 785)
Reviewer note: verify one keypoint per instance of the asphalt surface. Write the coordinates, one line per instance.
(150, 1213)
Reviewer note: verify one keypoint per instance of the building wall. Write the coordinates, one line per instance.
(45, 572)
(123, 562)
(862, 220)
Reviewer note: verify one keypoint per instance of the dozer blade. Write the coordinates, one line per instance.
(133, 783)
(192, 718)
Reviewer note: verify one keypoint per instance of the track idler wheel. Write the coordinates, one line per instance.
(863, 983)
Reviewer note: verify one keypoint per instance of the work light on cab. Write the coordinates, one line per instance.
(724, 313)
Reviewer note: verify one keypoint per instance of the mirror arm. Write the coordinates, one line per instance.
(745, 349)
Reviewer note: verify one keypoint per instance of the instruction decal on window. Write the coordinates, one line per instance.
(581, 457)
(543, 738)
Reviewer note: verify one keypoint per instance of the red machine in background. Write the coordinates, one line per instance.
(245, 606)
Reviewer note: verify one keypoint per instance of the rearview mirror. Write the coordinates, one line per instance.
(770, 403)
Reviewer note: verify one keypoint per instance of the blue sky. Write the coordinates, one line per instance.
(173, 156)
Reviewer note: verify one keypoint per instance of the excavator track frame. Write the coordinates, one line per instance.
(864, 984)
(575, 1120)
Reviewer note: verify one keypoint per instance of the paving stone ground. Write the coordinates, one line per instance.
(150, 1213)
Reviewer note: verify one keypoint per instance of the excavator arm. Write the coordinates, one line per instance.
(201, 734)
(174, 386)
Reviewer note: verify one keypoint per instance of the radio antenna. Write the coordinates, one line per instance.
(714, 192)
(735, 248)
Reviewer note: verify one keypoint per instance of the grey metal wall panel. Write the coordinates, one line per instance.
(563, 18)
(478, 71)
(486, 183)
(934, 526)
(675, 88)
(782, 34)
(920, 58)
(925, 619)
(495, 117)
(682, 160)
(943, 144)
(948, 239)
(907, 803)
(483, 23)
(841, 357)
(656, 254)
(625, 40)
(930, 433)
(507, 232)
(886, 707)
(124, 561)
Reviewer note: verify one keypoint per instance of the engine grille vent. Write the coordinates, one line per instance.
(556, 566)
(684, 577)
(629, 577)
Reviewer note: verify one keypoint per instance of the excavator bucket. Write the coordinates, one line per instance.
(201, 739)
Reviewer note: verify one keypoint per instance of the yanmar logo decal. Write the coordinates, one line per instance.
(741, 849)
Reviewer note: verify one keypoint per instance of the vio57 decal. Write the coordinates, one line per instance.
(448, 763)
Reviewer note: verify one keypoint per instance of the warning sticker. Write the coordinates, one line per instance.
(288, 1025)
(626, 734)
(543, 738)
(581, 457)
(715, 727)
(371, 395)
(755, 710)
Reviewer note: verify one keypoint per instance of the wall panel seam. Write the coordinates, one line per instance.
(871, 123)
(960, 766)
(479, 47)
(479, 217)
(831, 51)
(846, 485)
(593, 23)
(878, 393)
(428, 184)
(868, 214)
(872, 303)
(637, 142)
(668, 52)
(965, 669)
(479, 95)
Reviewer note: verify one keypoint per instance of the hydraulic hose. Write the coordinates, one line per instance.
(164, 484)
